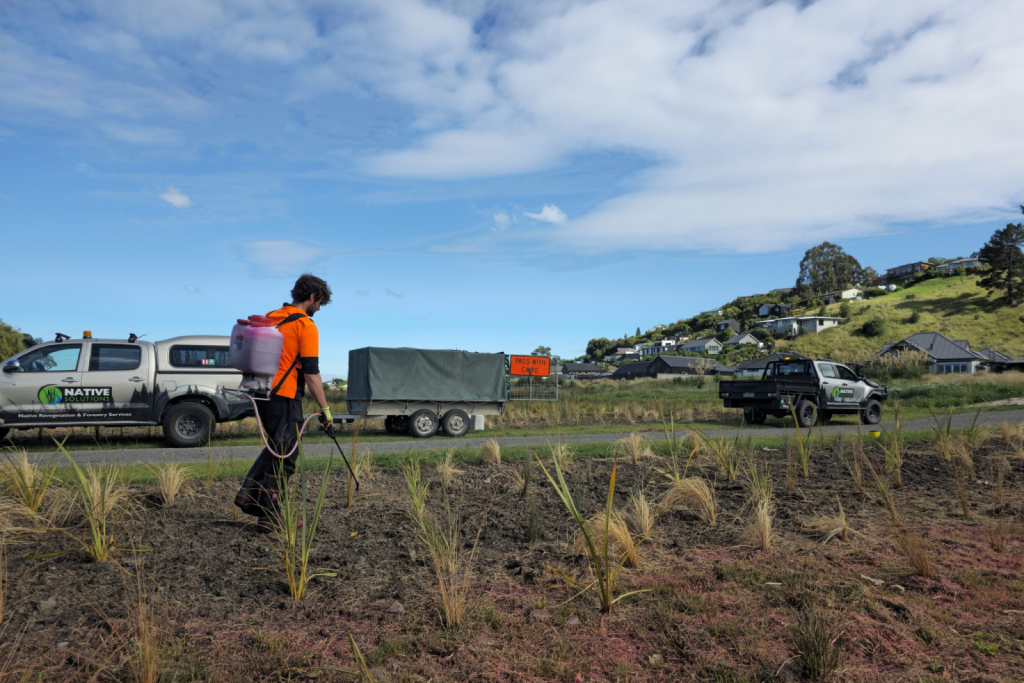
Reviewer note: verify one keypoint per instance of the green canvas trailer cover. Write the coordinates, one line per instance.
(379, 374)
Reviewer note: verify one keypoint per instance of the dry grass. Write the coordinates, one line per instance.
(694, 494)
(446, 468)
(816, 641)
(960, 468)
(832, 527)
(619, 537)
(452, 560)
(640, 514)
(562, 453)
(848, 455)
(762, 519)
(634, 447)
(884, 494)
(362, 463)
(915, 549)
(996, 533)
(172, 480)
(490, 452)
(27, 482)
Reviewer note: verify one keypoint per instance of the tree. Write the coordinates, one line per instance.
(1003, 255)
(637, 331)
(13, 340)
(827, 268)
(541, 351)
(725, 335)
(597, 347)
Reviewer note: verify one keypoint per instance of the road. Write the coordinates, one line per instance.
(158, 456)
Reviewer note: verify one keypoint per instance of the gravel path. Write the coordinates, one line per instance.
(156, 456)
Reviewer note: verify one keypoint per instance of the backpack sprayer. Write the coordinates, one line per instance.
(256, 345)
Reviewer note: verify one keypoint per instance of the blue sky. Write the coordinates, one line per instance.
(486, 175)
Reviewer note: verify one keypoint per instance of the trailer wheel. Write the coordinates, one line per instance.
(754, 416)
(872, 413)
(805, 413)
(423, 424)
(188, 424)
(455, 422)
(396, 424)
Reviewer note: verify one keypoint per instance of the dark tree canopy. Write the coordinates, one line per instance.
(1003, 255)
(827, 268)
(541, 351)
(13, 340)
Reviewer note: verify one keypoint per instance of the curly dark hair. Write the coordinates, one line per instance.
(308, 284)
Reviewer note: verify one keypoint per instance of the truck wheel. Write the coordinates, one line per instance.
(455, 422)
(753, 416)
(423, 424)
(188, 424)
(805, 413)
(4, 431)
(871, 414)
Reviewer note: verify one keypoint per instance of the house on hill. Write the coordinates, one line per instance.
(713, 311)
(627, 353)
(708, 345)
(581, 370)
(773, 310)
(786, 327)
(964, 263)
(683, 365)
(660, 346)
(945, 356)
(738, 339)
(633, 370)
(900, 273)
(731, 324)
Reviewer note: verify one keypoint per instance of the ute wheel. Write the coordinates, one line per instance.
(754, 416)
(455, 422)
(188, 424)
(805, 413)
(4, 431)
(871, 414)
(423, 424)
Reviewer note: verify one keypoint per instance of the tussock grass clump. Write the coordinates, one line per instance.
(816, 641)
(996, 532)
(893, 444)
(727, 453)
(619, 537)
(959, 467)
(694, 494)
(417, 490)
(172, 479)
(446, 468)
(362, 463)
(832, 527)
(562, 453)
(640, 514)
(847, 454)
(762, 503)
(915, 548)
(27, 482)
(884, 494)
(634, 447)
(98, 494)
(490, 452)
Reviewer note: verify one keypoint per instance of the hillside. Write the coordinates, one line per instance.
(954, 306)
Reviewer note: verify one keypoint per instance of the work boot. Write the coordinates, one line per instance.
(246, 502)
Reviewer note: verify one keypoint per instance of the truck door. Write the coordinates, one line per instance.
(849, 382)
(34, 394)
(121, 374)
(829, 382)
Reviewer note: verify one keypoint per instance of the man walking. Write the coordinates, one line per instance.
(282, 413)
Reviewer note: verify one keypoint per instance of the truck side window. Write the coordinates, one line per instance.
(827, 370)
(106, 357)
(847, 374)
(61, 358)
(198, 356)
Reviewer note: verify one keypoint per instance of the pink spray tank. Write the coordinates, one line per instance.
(256, 350)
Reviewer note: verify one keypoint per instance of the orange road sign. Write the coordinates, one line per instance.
(535, 366)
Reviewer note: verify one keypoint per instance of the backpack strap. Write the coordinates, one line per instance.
(292, 318)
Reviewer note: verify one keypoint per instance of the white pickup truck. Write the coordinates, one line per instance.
(83, 382)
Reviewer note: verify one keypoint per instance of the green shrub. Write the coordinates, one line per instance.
(872, 293)
(873, 328)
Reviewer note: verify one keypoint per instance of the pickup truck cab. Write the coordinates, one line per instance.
(810, 389)
(85, 382)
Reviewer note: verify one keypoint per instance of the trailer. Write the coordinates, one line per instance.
(418, 391)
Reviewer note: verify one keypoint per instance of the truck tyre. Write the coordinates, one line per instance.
(423, 424)
(4, 431)
(396, 424)
(188, 424)
(455, 422)
(805, 413)
(754, 416)
(871, 413)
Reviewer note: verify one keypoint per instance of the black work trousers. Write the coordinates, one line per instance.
(282, 419)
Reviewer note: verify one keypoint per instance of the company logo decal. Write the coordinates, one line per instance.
(52, 395)
(840, 394)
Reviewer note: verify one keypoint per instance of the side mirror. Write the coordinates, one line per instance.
(859, 369)
(12, 365)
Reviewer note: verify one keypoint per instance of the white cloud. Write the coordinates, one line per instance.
(176, 198)
(283, 258)
(502, 220)
(549, 214)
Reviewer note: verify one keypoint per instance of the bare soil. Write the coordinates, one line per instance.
(716, 608)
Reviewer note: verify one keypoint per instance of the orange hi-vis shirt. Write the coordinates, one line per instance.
(301, 340)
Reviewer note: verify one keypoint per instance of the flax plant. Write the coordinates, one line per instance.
(619, 537)
(604, 566)
(295, 526)
(27, 482)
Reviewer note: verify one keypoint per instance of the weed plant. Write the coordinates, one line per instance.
(295, 525)
(597, 552)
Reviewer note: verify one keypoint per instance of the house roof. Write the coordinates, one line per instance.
(633, 369)
(581, 367)
(738, 339)
(938, 346)
(688, 362)
(762, 363)
(994, 355)
(695, 343)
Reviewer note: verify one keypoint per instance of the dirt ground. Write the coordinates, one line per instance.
(716, 608)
